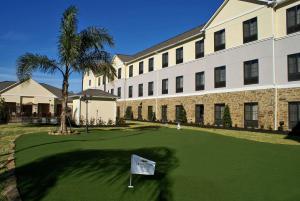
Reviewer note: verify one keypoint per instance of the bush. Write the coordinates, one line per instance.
(227, 122)
(128, 113)
(120, 122)
(182, 115)
(4, 117)
(110, 122)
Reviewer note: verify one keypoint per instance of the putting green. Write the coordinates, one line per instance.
(191, 165)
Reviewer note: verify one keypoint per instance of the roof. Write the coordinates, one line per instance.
(124, 57)
(6, 84)
(96, 93)
(56, 91)
(172, 41)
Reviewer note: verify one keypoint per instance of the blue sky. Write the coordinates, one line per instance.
(33, 25)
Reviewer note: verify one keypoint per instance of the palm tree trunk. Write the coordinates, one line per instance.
(63, 125)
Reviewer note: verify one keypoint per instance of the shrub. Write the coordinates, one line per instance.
(110, 122)
(128, 113)
(4, 117)
(227, 122)
(92, 122)
(100, 122)
(120, 122)
(182, 115)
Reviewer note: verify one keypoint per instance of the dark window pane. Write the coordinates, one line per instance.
(199, 114)
(251, 115)
(294, 67)
(164, 113)
(250, 30)
(294, 114)
(293, 19)
(179, 55)
(150, 113)
(220, 40)
(219, 111)
(151, 64)
(140, 90)
(164, 86)
(119, 92)
(199, 49)
(220, 77)
(165, 60)
(179, 84)
(141, 67)
(130, 71)
(251, 72)
(150, 88)
(119, 73)
(199, 81)
(130, 92)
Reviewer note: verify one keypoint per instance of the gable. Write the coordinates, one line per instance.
(231, 9)
(28, 88)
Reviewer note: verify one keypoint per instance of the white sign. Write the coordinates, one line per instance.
(142, 166)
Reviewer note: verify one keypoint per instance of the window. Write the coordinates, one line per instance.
(164, 113)
(199, 49)
(112, 91)
(131, 71)
(165, 59)
(140, 110)
(179, 110)
(294, 114)
(150, 64)
(129, 114)
(219, 111)
(119, 92)
(90, 82)
(199, 81)
(293, 19)
(179, 55)
(150, 88)
(251, 115)
(164, 86)
(179, 84)
(141, 67)
(294, 67)
(103, 80)
(199, 114)
(220, 40)
(220, 77)
(250, 30)
(140, 90)
(119, 73)
(99, 81)
(130, 92)
(150, 113)
(118, 112)
(251, 72)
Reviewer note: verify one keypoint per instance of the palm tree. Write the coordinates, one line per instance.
(78, 53)
(108, 72)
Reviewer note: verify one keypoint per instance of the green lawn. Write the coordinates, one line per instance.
(191, 165)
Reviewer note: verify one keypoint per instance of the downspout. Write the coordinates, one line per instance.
(274, 72)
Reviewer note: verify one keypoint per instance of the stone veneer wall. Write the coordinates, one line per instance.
(284, 97)
(236, 100)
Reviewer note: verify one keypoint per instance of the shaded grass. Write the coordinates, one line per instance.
(191, 165)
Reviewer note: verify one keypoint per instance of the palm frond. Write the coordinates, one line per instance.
(28, 63)
(95, 38)
(69, 40)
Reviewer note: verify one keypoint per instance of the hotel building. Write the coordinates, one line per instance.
(247, 56)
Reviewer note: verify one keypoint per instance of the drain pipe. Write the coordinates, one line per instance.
(274, 72)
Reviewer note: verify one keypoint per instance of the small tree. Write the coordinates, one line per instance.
(182, 115)
(227, 122)
(128, 113)
(3, 111)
